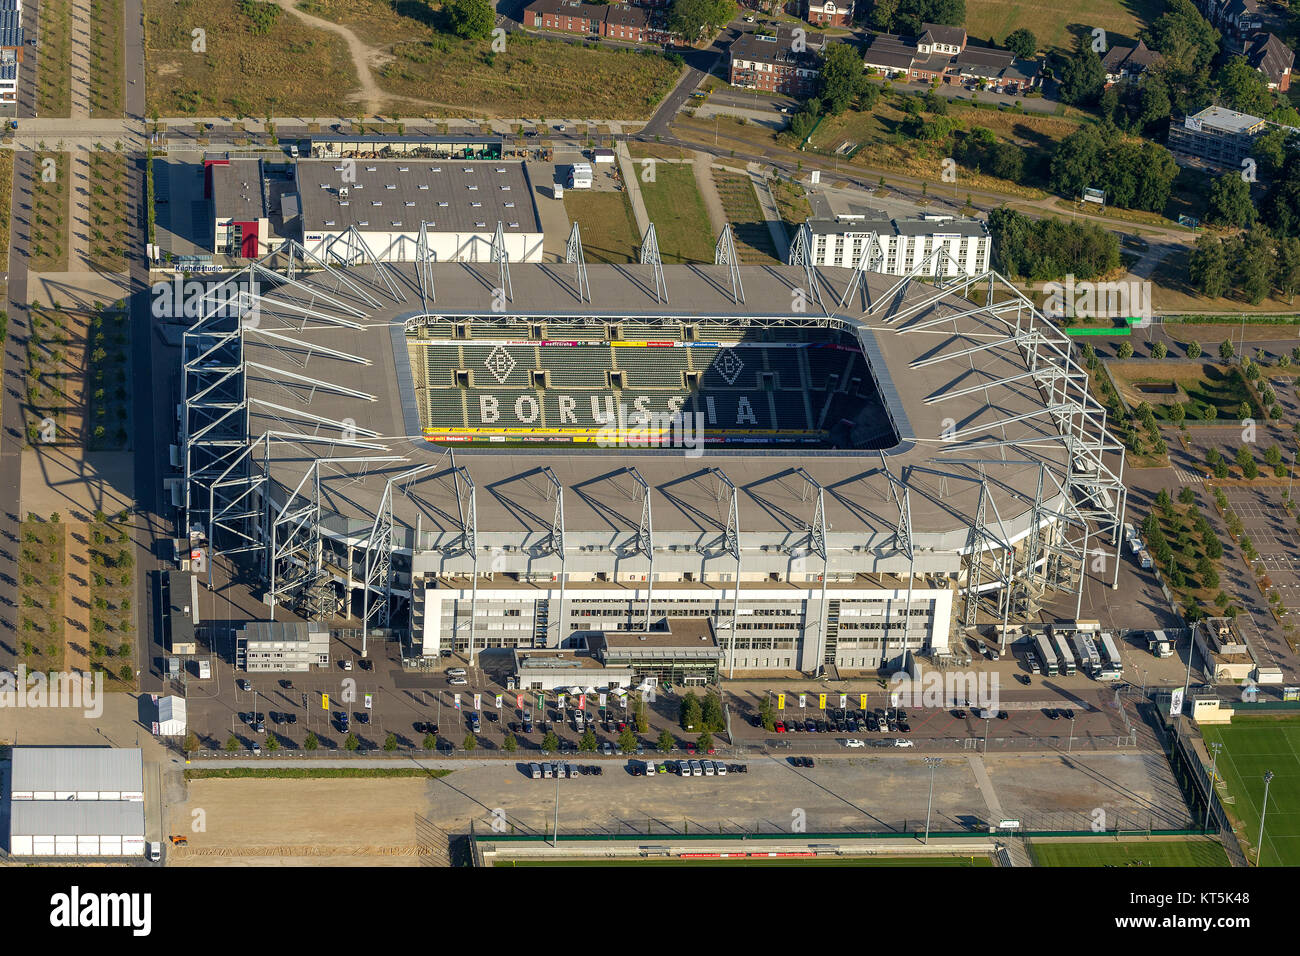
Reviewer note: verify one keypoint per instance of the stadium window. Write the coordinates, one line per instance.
(462, 377)
(692, 380)
(768, 382)
(616, 379)
(460, 330)
(536, 330)
(541, 378)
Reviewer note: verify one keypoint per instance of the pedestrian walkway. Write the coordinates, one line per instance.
(1186, 476)
(628, 168)
(80, 65)
(76, 599)
(771, 212)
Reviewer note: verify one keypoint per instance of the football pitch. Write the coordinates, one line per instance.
(1252, 746)
(1194, 852)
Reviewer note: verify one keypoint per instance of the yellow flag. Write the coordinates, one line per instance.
(324, 701)
(863, 705)
(821, 701)
(780, 701)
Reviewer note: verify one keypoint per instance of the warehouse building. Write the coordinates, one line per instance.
(76, 801)
(349, 210)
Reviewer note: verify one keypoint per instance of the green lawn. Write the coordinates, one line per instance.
(753, 239)
(674, 205)
(608, 227)
(1055, 23)
(1196, 851)
(1251, 746)
(967, 861)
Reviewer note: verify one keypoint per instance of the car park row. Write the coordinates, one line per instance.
(637, 768)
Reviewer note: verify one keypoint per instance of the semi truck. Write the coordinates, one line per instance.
(1112, 667)
(1063, 650)
(1046, 653)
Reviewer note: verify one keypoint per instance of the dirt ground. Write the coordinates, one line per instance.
(362, 822)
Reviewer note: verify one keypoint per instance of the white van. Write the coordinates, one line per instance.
(708, 767)
(696, 769)
(548, 771)
(649, 768)
(559, 771)
(683, 768)
(720, 768)
(535, 770)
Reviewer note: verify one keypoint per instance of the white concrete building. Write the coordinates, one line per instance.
(870, 241)
(282, 646)
(76, 801)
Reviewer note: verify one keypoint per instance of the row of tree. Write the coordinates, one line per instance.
(1135, 174)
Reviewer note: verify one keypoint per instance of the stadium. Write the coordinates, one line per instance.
(717, 470)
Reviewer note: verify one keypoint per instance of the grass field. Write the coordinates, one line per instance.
(1251, 746)
(6, 193)
(241, 71)
(41, 572)
(793, 204)
(949, 861)
(531, 77)
(108, 210)
(608, 226)
(1172, 292)
(1055, 24)
(674, 205)
(753, 240)
(106, 74)
(1195, 851)
(54, 78)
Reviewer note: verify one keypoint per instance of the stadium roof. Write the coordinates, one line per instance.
(316, 377)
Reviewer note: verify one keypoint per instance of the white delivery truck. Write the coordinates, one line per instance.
(580, 176)
(205, 669)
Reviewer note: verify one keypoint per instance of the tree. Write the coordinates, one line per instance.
(430, 742)
(765, 715)
(352, 743)
(690, 715)
(1159, 350)
(1243, 88)
(705, 742)
(310, 742)
(1082, 79)
(690, 18)
(712, 713)
(588, 742)
(1125, 350)
(390, 742)
(666, 742)
(1177, 413)
(641, 717)
(550, 741)
(841, 78)
(1287, 275)
(1228, 202)
(232, 743)
(191, 743)
(1248, 467)
(471, 19)
(470, 742)
(1226, 351)
(1022, 43)
(627, 741)
(1255, 265)
(272, 743)
(1187, 496)
(1193, 349)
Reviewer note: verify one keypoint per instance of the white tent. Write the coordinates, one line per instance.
(171, 717)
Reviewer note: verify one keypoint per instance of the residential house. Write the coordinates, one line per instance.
(1234, 17)
(774, 65)
(1266, 53)
(1126, 64)
(625, 22)
(944, 54)
(828, 13)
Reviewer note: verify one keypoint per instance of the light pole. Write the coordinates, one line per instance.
(555, 830)
(1259, 856)
(933, 764)
(987, 721)
(1070, 746)
(1191, 651)
(1214, 760)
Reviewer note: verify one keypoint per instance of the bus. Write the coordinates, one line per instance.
(1063, 649)
(1045, 653)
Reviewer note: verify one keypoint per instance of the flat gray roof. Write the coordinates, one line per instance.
(390, 195)
(77, 768)
(1230, 121)
(76, 818)
(301, 387)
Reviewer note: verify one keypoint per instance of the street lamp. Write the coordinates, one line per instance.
(1259, 855)
(1214, 761)
(933, 764)
(1070, 747)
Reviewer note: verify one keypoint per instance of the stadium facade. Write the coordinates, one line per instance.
(830, 468)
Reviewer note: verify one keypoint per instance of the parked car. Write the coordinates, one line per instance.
(900, 742)
(853, 743)
(455, 672)
(535, 770)
(1051, 713)
(244, 685)
(607, 748)
(458, 682)
(780, 726)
